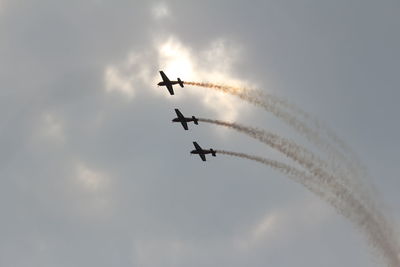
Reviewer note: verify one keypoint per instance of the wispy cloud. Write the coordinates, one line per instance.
(116, 82)
(92, 192)
(212, 63)
(282, 223)
(52, 128)
(160, 11)
(160, 252)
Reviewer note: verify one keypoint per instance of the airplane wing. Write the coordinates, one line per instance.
(164, 77)
(167, 82)
(170, 89)
(184, 124)
(198, 148)
(179, 114)
(203, 157)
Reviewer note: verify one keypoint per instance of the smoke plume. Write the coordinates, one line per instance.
(340, 158)
(299, 176)
(342, 200)
(288, 112)
(337, 179)
(289, 148)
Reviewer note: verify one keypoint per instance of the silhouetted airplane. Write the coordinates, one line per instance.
(166, 82)
(202, 152)
(183, 120)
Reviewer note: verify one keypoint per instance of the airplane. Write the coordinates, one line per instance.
(166, 82)
(202, 152)
(183, 120)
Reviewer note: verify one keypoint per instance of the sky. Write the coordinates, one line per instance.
(93, 172)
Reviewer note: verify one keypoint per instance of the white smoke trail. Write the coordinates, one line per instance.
(357, 171)
(289, 148)
(274, 104)
(351, 171)
(270, 104)
(344, 203)
(343, 175)
(305, 158)
(299, 176)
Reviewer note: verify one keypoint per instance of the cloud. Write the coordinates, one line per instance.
(213, 63)
(279, 224)
(82, 177)
(90, 180)
(126, 76)
(266, 226)
(52, 128)
(116, 82)
(92, 191)
(159, 252)
(160, 11)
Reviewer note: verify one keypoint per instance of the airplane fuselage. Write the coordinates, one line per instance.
(203, 152)
(184, 120)
(163, 83)
(167, 83)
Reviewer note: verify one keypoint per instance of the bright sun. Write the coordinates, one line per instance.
(175, 60)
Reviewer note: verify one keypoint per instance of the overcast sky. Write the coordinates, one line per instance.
(93, 172)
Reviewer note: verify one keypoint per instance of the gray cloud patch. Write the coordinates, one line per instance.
(120, 188)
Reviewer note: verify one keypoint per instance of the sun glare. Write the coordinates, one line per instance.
(175, 60)
(209, 65)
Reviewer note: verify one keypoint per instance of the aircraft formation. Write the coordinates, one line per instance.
(184, 120)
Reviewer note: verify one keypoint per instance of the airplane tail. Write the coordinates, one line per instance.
(213, 152)
(195, 120)
(180, 82)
